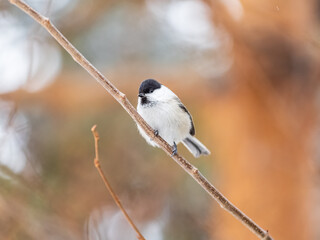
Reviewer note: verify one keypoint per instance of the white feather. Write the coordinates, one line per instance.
(163, 113)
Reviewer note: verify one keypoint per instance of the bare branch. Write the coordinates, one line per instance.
(107, 184)
(122, 99)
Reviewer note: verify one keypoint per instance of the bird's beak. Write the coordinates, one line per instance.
(141, 95)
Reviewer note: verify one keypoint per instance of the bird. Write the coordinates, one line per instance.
(169, 118)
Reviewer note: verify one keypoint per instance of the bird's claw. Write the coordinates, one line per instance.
(156, 132)
(174, 149)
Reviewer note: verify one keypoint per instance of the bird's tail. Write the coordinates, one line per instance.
(195, 146)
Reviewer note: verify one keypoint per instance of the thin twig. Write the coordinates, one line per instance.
(107, 184)
(122, 99)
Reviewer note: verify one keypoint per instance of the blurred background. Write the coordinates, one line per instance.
(248, 71)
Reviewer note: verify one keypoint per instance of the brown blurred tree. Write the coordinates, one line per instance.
(267, 120)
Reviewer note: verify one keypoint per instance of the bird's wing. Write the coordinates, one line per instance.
(192, 130)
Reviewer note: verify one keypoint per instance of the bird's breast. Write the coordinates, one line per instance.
(172, 123)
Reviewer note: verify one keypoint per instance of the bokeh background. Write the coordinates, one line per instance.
(248, 71)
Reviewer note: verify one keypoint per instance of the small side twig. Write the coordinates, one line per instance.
(107, 184)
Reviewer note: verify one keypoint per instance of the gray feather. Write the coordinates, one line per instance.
(195, 146)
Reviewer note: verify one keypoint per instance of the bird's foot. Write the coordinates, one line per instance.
(174, 149)
(156, 132)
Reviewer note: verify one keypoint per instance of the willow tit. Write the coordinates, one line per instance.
(169, 118)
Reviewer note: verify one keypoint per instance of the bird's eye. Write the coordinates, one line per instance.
(151, 91)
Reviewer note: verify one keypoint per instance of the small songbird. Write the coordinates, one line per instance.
(169, 118)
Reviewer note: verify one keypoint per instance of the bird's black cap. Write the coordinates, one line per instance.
(148, 86)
